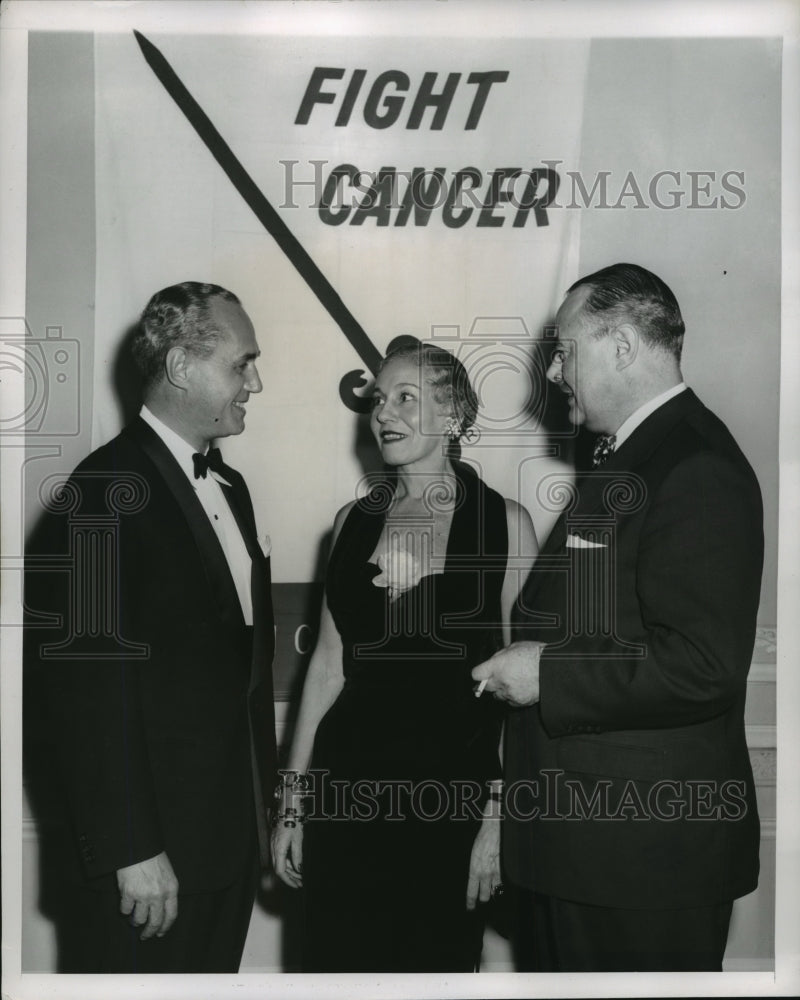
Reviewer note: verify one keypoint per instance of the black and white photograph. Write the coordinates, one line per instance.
(399, 468)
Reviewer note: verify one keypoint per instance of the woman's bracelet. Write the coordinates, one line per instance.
(290, 818)
(289, 793)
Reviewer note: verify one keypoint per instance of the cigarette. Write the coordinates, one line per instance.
(481, 687)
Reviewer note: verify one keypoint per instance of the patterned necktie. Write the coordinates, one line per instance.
(211, 460)
(604, 447)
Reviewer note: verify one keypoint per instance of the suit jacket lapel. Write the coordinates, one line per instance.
(216, 565)
(591, 486)
(633, 452)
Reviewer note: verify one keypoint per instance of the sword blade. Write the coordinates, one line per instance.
(260, 206)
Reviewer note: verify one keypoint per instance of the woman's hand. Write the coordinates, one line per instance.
(484, 863)
(287, 853)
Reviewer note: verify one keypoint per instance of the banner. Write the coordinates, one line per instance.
(412, 174)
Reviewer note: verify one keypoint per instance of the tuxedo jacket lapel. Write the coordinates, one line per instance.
(218, 572)
(246, 525)
(260, 583)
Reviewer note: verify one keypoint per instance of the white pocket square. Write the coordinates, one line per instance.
(576, 542)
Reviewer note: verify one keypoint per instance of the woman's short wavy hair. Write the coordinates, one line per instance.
(446, 375)
(178, 316)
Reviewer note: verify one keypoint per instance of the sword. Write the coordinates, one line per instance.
(273, 224)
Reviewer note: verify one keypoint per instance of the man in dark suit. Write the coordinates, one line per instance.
(157, 659)
(631, 821)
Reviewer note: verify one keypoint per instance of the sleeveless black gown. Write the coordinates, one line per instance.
(406, 748)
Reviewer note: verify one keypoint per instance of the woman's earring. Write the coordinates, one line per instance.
(452, 428)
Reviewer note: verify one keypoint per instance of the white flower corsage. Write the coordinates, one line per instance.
(400, 570)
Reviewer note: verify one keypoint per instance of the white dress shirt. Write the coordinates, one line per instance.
(640, 415)
(209, 493)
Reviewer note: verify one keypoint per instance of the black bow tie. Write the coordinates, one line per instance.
(211, 460)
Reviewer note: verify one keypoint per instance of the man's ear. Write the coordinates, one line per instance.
(626, 345)
(176, 366)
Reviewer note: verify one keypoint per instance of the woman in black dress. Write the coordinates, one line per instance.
(394, 756)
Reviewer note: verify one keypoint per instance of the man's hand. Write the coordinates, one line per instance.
(512, 674)
(149, 894)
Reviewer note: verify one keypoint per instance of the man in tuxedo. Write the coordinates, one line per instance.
(631, 821)
(156, 656)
